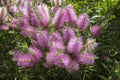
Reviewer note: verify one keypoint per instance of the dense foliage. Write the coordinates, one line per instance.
(105, 13)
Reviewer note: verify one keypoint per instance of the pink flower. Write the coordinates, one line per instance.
(51, 57)
(57, 16)
(58, 59)
(74, 45)
(56, 45)
(36, 53)
(87, 58)
(68, 33)
(64, 61)
(34, 19)
(23, 59)
(71, 13)
(83, 21)
(4, 27)
(56, 36)
(44, 16)
(73, 66)
(29, 31)
(96, 30)
(42, 40)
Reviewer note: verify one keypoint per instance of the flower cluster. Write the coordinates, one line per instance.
(55, 37)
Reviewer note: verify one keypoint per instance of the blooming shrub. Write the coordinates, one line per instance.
(57, 37)
(49, 47)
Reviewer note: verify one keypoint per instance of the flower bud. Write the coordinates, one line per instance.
(96, 30)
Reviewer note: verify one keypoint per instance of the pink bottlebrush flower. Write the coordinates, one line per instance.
(87, 58)
(23, 59)
(36, 53)
(56, 45)
(4, 27)
(68, 33)
(57, 16)
(71, 13)
(74, 45)
(73, 66)
(56, 36)
(58, 59)
(61, 20)
(29, 31)
(64, 61)
(42, 40)
(83, 21)
(44, 16)
(15, 54)
(51, 57)
(66, 15)
(34, 20)
(96, 30)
